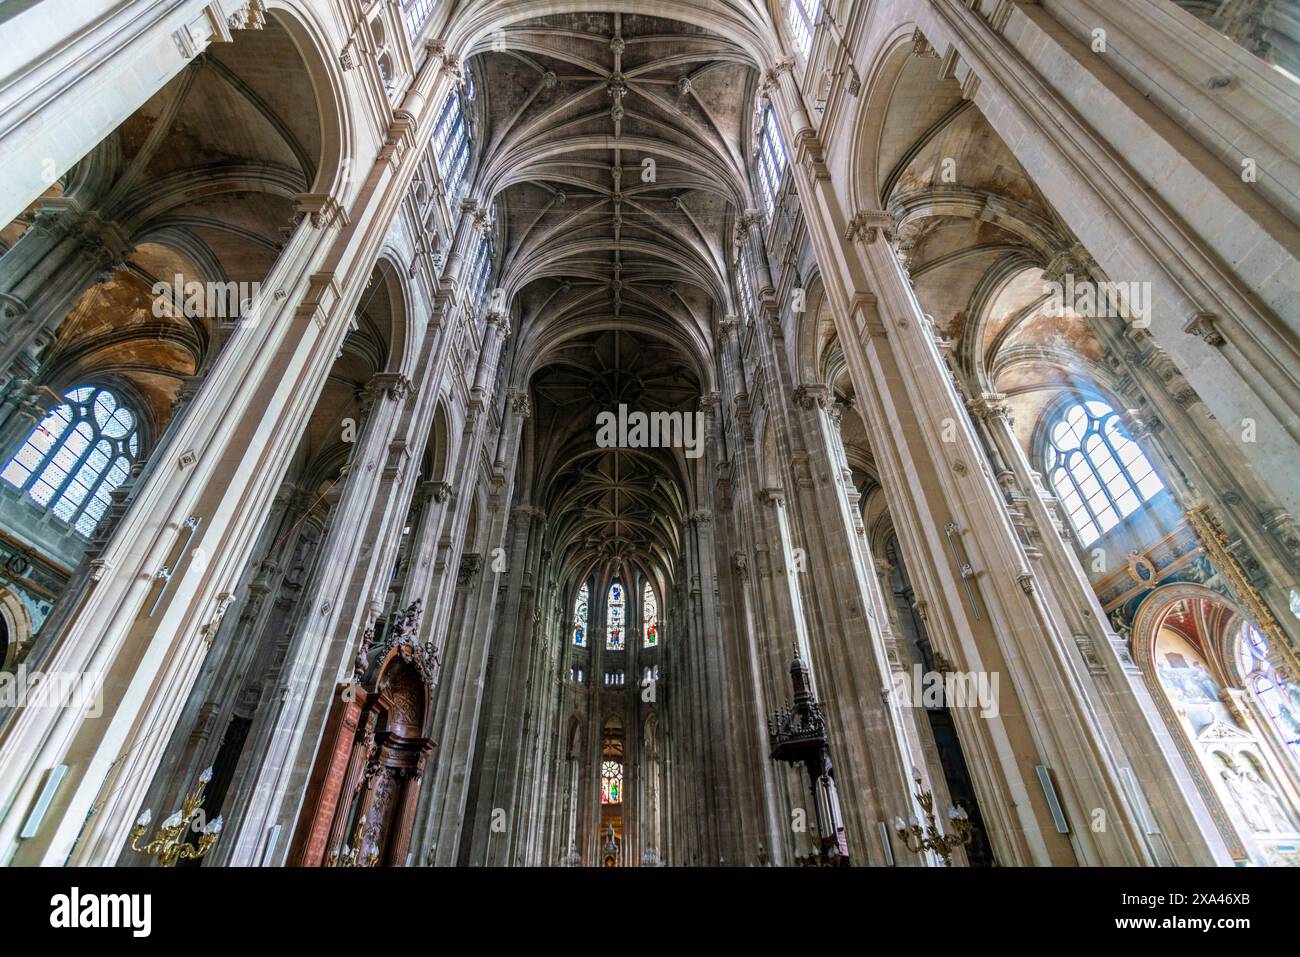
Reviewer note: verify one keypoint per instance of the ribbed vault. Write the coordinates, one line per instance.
(615, 152)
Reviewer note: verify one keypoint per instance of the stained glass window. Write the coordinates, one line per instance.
(76, 456)
(745, 278)
(614, 618)
(611, 782)
(771, 160)
(580, 618)
(1098, 472)
(801, 15)
(650, 616)
(417, 13)
(480, 271)
(451, 142)
(1276, 697)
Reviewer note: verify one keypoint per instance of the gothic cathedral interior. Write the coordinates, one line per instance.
(551, 433)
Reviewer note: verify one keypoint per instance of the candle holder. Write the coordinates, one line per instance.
(929, 837)
(168, 845)
(351, 855)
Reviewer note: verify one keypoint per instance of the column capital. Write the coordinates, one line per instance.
(532, 513)
(921, 47)
(469, 567)
(1071, 260)
(520, 404)
(251, 15)
(990, 405)
(500, 320)
(869, 224)
(321, 210)
(812, 396)
(1204, 325)
(772, 75)
(741, 565)
(396, 385)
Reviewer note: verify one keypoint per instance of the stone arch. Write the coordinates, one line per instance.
(334, 174)
(879, 81)
(440, 452)
(714, 15)
(17, 629)
(401, 335)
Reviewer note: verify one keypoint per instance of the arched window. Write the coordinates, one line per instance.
(1276, 697)
(76, 456)
(416, 13)
(771, 160)
(611, 782)
(614, 618)
(580, 618)
(649, 617)
(451, 141)
(745, 279)
(801, 15)
(480, 271)
(1098, 472)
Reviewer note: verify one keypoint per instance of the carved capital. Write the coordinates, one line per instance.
(250, 16)
(1204, 325)
(322, 210)
(990, 405)
(520, 404)
(812, 396)
(393, 384)
(921, 47)
(868, 225)
(741, 566)
(1073, 260)
(470, 565)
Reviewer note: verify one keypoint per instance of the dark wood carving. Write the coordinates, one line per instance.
(372, 754)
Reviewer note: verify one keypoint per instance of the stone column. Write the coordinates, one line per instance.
(496, 331)
(61, 255)
(497, 756)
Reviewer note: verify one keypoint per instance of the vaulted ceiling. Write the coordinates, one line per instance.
(616, 148)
